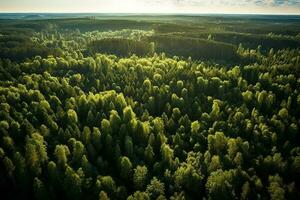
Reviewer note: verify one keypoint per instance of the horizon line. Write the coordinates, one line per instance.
(150, 13)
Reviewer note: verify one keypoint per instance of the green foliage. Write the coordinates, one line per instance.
(167, 154)
(72, 116)
(193, 47)
(155, 188)
(283, 113)
(149, 154)
(220, 185)
(108, 184)
(128, 114)
(139, 196)
(217, 142)
(186, 177)
(247, 96)
(160, 124)
(35, 152)
(61, 153)
(128, 146)
(126, 168)
(103, 196)
(275, 188)
(120, 47)
(78, 151)
(140, 177)
(195, 126)
(72, 184)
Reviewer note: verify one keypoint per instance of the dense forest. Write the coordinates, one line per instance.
(139, 109)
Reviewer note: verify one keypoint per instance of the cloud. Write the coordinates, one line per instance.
(229, 2)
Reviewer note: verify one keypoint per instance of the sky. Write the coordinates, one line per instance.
(154, 6)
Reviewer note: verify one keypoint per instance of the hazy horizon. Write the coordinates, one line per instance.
(149, 13)
(274, 7)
